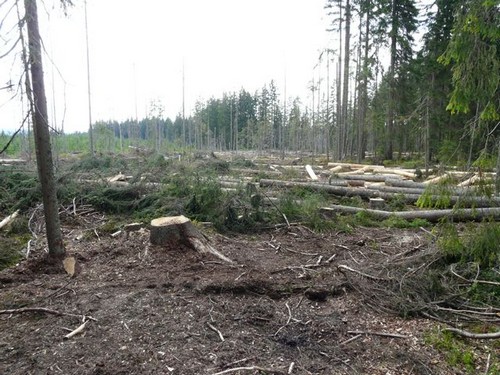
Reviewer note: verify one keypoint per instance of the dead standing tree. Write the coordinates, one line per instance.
(41, 132)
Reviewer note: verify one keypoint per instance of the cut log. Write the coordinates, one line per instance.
(8, 219)
(397, 172)
(336, 169)
(377, 203)
(352, 165)
(118, 177)
(311, 173)
(470, 181)
(370, 177)
(179, 230)
(12, 161)
(462, 201)
(405, 183)
(464, 214)
(437, 179)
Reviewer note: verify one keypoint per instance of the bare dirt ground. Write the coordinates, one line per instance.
(283, 309)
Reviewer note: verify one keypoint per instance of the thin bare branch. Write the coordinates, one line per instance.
(11, 48)
(471, 335)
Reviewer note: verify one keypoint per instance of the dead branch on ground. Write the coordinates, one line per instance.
(471, 335)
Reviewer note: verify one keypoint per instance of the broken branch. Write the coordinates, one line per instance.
(471, 335)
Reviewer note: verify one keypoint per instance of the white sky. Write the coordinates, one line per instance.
(137, 48)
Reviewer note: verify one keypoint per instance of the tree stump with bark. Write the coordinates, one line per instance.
(179, 230)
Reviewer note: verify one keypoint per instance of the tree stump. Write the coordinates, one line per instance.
(377, 203)
(179, 230)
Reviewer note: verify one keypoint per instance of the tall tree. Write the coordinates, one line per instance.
(42, 135)
(402, 24)
(474, 54)
(345, 83)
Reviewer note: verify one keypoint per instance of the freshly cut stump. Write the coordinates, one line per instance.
(176, 230)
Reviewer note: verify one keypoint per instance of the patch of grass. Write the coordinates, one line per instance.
(12, 240)
(457, 353)
(397, 202)
(10, 251)
(397, 222)
(304, 207)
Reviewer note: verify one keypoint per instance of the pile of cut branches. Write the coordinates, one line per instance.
(425, 281)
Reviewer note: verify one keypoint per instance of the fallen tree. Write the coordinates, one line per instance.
(8, 219)
(460, 200)
(465, 214)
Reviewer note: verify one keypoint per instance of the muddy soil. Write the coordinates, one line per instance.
(284, 308)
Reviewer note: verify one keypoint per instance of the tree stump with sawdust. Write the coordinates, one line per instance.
(179, 230)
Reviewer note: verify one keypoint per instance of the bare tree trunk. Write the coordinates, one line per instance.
(91, 135)
(497, 177)
(392, 88)
(340, 129)
(42, 134)
(345, 88)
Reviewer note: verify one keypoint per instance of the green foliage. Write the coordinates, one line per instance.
(303, 206)
(363, 218)
(397, 202)
(435, 196)
(12, 240)
(18, 190)
(15, 146)
(478, 244)
(10, 251)
(475, 255)
(485, 161)
(449, 241)
(482, 244)
(116, 200)
(103, 163)
(449, 152)
(474, 55)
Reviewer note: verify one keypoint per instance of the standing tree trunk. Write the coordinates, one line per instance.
(392, 85)
(497, 177)
(42, 134)
(345, 87)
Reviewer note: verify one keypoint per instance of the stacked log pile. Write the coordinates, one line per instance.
(463, 200)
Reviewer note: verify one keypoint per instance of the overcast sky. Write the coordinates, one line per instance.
(138, 49)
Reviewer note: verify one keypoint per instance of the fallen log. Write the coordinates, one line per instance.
(405, 183)
(368, 177)
(397, 172)
(462, 201)
(352, 165)
(179, 230)
(12, 161)
(464, 214)
(8, 219)
(419, 188)
(336, 169)
(311, 173)
(437, 179)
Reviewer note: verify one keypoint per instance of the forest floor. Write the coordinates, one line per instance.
(174, 311)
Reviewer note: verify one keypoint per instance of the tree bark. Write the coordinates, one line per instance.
(42, 135)
(392, 86)
(347, 58)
